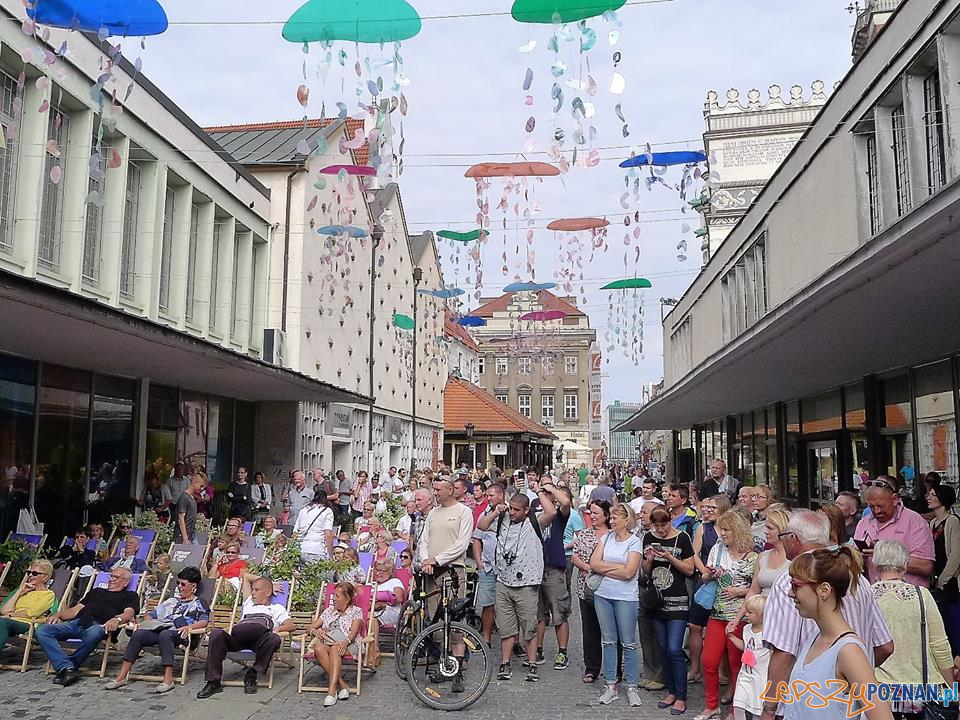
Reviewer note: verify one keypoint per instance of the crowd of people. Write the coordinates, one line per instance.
(675, 584)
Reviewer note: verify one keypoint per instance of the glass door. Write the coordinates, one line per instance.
(822, 468)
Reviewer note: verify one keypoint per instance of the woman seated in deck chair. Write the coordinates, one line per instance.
(168, 626)
(335, 634)
(386, 612)
(30, 601)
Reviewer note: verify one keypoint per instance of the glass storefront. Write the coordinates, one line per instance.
(936, 425)
(18, 387)
(111, 446)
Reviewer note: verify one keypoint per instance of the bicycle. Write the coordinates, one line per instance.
(440, 678)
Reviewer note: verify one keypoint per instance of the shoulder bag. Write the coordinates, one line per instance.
(706, 594)
(592, 583)
(932, 710)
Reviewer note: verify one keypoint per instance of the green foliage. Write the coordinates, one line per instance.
(19, 554)
(396, 509)
(148, 520)
(227, 595)
(283, 563)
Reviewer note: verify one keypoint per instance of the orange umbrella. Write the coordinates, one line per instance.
(512, 169)
(577, 224)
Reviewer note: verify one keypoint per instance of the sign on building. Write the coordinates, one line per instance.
(339, 421)
(596, 433)
(498, 448)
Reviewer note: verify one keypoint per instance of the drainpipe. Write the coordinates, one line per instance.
(377, 237)
(286, 246)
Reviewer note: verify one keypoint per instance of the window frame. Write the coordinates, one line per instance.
(128, 240)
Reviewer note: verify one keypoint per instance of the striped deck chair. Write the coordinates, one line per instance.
(109, 643)
(206, 591)
(36, 541)
(61, 585)
(284, 597)
(363, 600)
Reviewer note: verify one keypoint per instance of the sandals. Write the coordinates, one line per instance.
(708, 714)
(589, 678)
(694, 679)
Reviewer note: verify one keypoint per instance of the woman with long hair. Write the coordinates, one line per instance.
(583, 546)
(314, 527)
(731, 563)
(820, 579)
(838, 523)
(335, 634)
(945, 527)
(771, 564)
(704, 538)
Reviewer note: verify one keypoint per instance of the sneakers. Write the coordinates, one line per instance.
(344, 694)
(330, 701)
(115, 685)
(633, 696)
(539, 660)
(506, 672)
(211, 688)
(250, 682)
(532, 675)
(519, 650)
(652, 685)
(163, 688)
(560, 662)
(610, 694)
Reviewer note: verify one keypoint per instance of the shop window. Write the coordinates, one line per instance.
(111, 447)
(822, 413)
(898, 443)
(17, 402)
(936, 426)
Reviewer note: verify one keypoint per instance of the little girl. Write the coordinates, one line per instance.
(752, 678)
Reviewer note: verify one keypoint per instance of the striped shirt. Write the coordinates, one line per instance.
(785, 630)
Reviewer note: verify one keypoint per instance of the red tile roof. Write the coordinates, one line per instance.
(464, 402)
(455, 330)
(361, 156)
(547, 300)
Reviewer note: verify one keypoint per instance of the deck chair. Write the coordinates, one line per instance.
(363, 600)
(303, 621)
(366, 563)
(61, 585)
(284, 597)
(109, 643)
(36, 541)
(398, 546)
(248, 541)
(253, 555)
(148, 539)
(288, 530)
(4, 570)
(206, 591)
(184, 556)
(248, 527)
(68, 542)
(202, 539)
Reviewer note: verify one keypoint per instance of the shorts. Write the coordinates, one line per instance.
(486, 589)
(554, 602)
(432, 583)
(516, 609)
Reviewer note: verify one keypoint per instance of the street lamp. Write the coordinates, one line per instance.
(377, 238)
(667, 302)
(417, 277)
(468, 429)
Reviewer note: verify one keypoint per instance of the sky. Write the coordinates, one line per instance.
(225, 62)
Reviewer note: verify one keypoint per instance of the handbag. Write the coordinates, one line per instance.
(706, 594)
(932, 710)
(591, 585)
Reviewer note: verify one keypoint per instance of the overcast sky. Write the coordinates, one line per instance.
(224, 61)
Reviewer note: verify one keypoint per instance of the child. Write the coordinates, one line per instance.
(158, 577)
(752, 678)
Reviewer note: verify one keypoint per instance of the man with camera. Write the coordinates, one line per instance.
(555, 602)
(518, 559)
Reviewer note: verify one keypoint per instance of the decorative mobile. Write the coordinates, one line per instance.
(543, 315)
(444, 293)
(352, 231)
(471, 321)
(570, 272)
(403, 322)
(627, 284)
(119, 18)
(625, 318)
(462, 237)
(357, 170)
(528, 287)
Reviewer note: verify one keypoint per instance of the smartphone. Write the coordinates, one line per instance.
(862, 544)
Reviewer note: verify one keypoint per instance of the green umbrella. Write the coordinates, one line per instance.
(404, 322)
(628, 283)
(463, 237)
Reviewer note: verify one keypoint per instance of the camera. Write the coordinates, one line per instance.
(509, 558)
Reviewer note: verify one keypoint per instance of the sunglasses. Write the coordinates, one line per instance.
(879, 483)
(404, 557)
(781, 536)
(35, 573)
(184, 583)
(230, 552)
(126, 527)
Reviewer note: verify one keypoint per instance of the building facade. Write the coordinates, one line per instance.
(834, 352)
(622, 445)
(462, 350)
(321, 315)
(541, 369)
(134, 280)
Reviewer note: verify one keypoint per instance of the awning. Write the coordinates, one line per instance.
(890, 304)
(52, 325)
(569, 446)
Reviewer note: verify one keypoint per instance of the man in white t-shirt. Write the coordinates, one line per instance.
(260, 621)
(403, 526)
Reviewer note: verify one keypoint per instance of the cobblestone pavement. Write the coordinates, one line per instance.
(559, 694)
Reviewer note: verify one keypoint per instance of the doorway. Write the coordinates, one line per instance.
(823, 474)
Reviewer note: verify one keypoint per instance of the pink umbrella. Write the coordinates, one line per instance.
(544, 315)
(350, 170)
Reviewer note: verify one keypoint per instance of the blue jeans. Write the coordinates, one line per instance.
(49, 637)
(618, 621)
(670, 639)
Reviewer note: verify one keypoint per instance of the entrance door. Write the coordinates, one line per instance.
(822, 471)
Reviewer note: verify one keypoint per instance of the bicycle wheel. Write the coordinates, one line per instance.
(408, 625)
(440, 679)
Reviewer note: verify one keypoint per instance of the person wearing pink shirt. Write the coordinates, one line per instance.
(890, 520)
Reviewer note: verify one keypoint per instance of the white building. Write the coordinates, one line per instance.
(462, 350)
(319, 304)
(134, 289)
(820, 339)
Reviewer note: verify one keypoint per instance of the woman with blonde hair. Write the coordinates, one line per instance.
(820, 579)
(731, 563)
(617, 559)
(771, 564)
(704, 539)
(30, 601)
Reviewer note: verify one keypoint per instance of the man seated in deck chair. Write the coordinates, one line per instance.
(127, 558)
(100, 611)
(260, 621)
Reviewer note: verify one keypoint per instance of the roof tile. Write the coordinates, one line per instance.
(547, 300)
(361, 156)
(464, 402)
(457, 331)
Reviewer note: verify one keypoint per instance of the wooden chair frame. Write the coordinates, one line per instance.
(284, 636)
(28, 638)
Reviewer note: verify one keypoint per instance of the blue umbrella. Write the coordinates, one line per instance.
(472, 321)
(443, 292)
(662, 159)
(528, 287)
(118, 17)
(351, 230)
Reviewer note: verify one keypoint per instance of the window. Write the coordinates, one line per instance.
(501, 366)
(523, 365)
(681, 349)
(523, 403)
(933, 133)
(901, 161)
(257, 249)
(93, 229)
(570, 365)
(743, 291)
(235, 288)
(570, 406)
(547, 365)
(10, 113)
(166, 250)
(128, 246)
(480, 364)
(546, 409)
(51, 210)
(215, 272)
(503, 397)
(873, 185)
(192, 260)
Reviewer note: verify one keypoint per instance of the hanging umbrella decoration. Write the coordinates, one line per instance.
(345, 31)
(572, 235)
(519, 179)
(459, 240)
(572, 79)
(106, 19)
(624, 330)
(658, 164)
